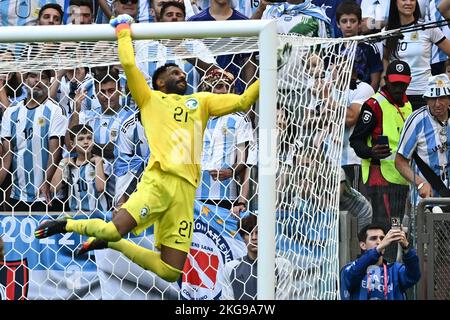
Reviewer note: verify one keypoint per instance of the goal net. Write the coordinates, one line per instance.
(83, 83)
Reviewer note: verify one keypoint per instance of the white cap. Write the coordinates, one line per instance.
(438, 86)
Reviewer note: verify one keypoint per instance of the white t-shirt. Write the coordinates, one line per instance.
(415, 49)
(359, 95)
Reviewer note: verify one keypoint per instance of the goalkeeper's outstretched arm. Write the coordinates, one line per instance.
(136, 82)
(221, 104)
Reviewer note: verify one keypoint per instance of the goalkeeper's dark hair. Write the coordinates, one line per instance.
(362, 234)
(165, 5)
(79, 129)
(248, 223)
(160, 71)
(348, 7)
(394, 23)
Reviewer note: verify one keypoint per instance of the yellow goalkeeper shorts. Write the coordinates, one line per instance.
(167, 201)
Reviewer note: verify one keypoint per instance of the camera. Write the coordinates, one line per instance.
(395, 223)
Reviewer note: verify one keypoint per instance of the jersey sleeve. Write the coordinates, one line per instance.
(222, 104)
(6, 125)
(244, 130)
(363, 129)
(58, 125)
(136, 82)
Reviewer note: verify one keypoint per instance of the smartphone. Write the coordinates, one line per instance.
(395, 223)
(382, 140)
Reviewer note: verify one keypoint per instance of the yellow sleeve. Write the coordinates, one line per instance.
(221, 104)
(136, 82)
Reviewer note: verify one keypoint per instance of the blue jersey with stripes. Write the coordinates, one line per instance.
(29, 131)
(83, 193)
(131, 150)
(104, 125)
(25, 12)
(430, 139)
(220, 140)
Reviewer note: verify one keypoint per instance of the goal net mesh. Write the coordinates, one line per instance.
(85, 85)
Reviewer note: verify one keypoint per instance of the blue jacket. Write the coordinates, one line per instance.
(355, 284)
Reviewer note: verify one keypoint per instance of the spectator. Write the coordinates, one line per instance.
(12, 90)
(108, 92)
(384, 114)
(330, 7)
(414, 48)
(444, 8)
(358, 94)
(370, 277)
(109, 8)
(85, 175)
(225, 146)
(426, 133)
(367, 58)
(20, 13)
(131, 153)
(241, 66)
(50, 14)
(156, 5)
(301, 17)
(375, 14)
(81, 12)
(32, 133)
(64, 88)
(239, 277)
(438, 56)
(355, 203)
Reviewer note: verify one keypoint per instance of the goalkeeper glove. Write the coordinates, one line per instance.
(121, 21)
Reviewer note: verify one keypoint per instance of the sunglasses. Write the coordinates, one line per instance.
(126, 1)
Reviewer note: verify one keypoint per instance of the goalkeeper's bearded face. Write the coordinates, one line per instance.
(175, 81)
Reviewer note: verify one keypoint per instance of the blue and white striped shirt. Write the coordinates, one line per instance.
(25, 12)
(29, 131)
(83, 192)
(421, 133)
(221, 137)
(437, 54)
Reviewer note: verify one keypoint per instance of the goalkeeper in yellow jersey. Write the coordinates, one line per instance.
(174, 125)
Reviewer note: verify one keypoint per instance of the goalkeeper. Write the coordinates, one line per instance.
(174, 125)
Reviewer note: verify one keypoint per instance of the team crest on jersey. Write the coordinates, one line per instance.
(191, 104)
(144, 212)
(414, 36)
(91, 175)
(41, 121)
(113, 133)
(367, 116)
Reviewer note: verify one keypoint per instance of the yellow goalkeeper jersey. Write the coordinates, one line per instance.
(174, 124)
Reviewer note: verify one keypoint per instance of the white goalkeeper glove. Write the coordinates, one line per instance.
(120, 19)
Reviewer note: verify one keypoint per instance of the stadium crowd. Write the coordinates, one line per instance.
(75, 142)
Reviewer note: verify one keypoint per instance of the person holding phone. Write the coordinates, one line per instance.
(370, 276)
(375, 140)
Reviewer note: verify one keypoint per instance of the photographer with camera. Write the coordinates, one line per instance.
(370, 277)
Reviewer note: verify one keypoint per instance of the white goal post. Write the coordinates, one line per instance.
(266, 31)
